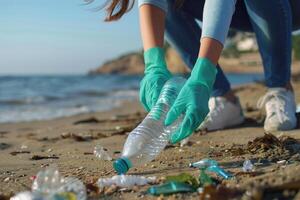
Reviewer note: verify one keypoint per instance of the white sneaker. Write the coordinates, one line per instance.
(280, 108)
(222, 114)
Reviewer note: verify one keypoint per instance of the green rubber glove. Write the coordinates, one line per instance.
(156, 74)
(192, 100)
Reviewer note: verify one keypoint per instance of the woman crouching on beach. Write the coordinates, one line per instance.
(207, 91)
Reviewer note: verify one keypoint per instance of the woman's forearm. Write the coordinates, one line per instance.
(210, 49)
(152, 25)
(217, 15)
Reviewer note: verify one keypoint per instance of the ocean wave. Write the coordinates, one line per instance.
(28, 100)
(40, 112)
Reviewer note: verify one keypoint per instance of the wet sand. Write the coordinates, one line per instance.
(25, 148)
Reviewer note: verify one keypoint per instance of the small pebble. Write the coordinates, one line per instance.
(6, 179)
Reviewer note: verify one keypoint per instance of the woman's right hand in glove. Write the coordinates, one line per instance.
(155, 75)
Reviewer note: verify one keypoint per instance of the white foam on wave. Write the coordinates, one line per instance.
(65, 108)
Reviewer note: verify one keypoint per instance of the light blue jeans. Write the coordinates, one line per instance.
(272, 21)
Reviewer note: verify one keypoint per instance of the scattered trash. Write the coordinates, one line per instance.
(49, 182)
(184, 178)
(50, 185)
(212, 166)
(248, 166)
(100, 153)
(170, 188)
(125, 181)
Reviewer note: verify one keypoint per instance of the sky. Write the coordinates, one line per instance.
(61, 36)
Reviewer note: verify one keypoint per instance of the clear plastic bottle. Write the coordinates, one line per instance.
(50, 184)
(147, 140)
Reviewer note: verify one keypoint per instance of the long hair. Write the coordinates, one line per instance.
(117, 8)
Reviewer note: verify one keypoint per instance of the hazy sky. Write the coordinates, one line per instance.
(61, 36)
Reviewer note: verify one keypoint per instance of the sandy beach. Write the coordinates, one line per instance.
(26, 148)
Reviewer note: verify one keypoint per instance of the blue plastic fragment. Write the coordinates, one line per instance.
(212, 166)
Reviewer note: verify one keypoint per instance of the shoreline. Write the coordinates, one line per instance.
(69, 142)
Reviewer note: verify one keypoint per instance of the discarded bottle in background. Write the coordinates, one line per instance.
(248, 166)
(147, 140)
(100, 153)
(125, 181)
(50, 183)
(212, 166)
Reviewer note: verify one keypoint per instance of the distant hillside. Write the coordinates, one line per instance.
(239, 56)
(133, 63)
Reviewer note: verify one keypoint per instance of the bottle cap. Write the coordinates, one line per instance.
(122, 165)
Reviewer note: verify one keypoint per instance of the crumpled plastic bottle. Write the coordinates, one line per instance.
(125, 181)
(50, 185)
(100, 153)
(48, 181)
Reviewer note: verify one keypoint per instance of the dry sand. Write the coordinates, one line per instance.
(70, 146)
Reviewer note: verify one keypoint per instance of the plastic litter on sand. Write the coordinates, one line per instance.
(248, 166)
(50, 185)
(100, 153)
(212, 166)
(125, 181)
(151, 136)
